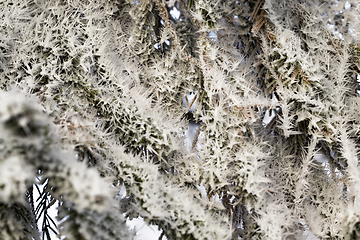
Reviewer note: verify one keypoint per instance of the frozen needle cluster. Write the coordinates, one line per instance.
(96, 96)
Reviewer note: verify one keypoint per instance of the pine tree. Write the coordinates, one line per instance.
(232, 119)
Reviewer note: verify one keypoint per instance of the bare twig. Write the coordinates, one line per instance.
(256, 9)
(196, 137)
(162, 235)
(192, 102)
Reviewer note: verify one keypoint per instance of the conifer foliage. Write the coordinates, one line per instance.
(232, 119)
